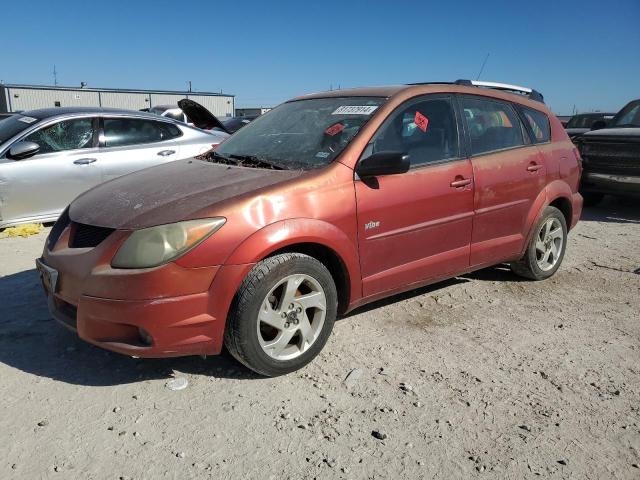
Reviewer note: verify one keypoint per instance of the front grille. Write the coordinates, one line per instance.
(88, 236)
(58, 228)
(612, 157)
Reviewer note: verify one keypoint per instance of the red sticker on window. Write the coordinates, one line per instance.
(334, 129)
(421, 121)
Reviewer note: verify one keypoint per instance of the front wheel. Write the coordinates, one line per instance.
(282, 315)
(546, 248)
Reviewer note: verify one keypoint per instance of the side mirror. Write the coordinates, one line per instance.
(22, 150)
(598, 125)
(383, 163)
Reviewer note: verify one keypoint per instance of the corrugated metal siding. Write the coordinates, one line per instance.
(31, 99)
(34, 98)
(165, 99)
(221, 106)
(130, 101)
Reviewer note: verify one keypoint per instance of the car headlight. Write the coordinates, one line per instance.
(151, 247)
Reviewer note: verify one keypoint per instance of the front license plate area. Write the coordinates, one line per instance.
(48, 275)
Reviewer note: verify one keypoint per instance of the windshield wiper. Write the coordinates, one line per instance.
(626, 125)
(255, 161)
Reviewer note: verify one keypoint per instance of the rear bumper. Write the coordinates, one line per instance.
(610, 183)
(576, 209)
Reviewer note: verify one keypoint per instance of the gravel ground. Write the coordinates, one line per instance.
(483, 376)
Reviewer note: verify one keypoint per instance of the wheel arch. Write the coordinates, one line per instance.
(316, 238)
(555, 194)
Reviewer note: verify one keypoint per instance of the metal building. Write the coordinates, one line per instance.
(15, 98)
(251, 111)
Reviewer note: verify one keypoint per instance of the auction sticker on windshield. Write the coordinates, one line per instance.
(355, 110)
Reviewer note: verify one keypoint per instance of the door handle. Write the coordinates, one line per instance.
(534, 167)
(84, 161)
(166, 153)
(463, 182)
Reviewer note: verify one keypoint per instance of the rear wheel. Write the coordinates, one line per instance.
(282, 315)
(546, 248)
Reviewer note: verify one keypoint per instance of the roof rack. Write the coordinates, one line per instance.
(526, 91)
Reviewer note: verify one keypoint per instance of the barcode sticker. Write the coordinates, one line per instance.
(355, 110)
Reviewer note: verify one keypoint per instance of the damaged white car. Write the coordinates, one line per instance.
(50, 156)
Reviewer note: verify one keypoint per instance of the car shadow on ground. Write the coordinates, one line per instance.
(613, 210)
(31, 341)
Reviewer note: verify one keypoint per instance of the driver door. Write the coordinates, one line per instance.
(40, 187)
(416, 226)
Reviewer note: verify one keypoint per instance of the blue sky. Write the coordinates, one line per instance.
(584, 53)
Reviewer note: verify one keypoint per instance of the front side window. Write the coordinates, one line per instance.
(302, 134)
(424, 128)
(119, 132)
(66, 135)
(492, 125)
(539, 124)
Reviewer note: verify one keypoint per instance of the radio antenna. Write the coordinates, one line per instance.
(482, 67)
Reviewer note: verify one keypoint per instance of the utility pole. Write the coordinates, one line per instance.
(55, 76)
(189, 82)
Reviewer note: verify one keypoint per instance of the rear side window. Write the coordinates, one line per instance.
(424, 128)
(492, 125)
(539, 124)
(119, 132)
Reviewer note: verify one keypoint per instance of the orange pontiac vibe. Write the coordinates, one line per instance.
(325, 203)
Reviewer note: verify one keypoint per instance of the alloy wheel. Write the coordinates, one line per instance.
(291, 317)
(549, 242)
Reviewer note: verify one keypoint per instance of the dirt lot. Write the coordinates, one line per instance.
(484, 376)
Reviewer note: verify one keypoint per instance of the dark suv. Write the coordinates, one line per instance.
(611, 156)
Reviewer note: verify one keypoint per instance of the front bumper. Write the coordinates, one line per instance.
(610, 183)
(160, 312)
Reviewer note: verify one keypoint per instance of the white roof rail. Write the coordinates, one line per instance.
(502, 86)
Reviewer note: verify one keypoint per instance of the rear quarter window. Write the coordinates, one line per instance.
(539, 124)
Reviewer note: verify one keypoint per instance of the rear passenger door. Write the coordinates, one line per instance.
(128, 144)
(509, 173)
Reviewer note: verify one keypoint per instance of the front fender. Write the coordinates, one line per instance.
(286, 233)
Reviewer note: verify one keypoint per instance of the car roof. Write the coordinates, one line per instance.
(590, 114)
(408, 91)
(165, 107)
(44, 113)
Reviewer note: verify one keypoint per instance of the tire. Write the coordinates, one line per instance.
(532, 265)
(591, 199)
(268, 336)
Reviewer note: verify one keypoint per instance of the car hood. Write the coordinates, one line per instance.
(613, 132)
(200, 116)
(168, 193)
(576, 131)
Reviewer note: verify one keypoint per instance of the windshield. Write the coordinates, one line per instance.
(9, 127)
(583, 121)
(629, 116)
(302, 134)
